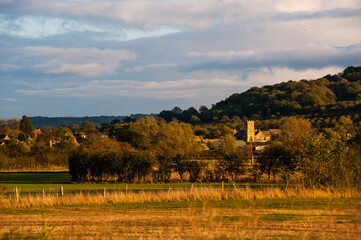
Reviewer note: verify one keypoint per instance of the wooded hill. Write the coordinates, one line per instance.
(67, 121)
(323, 100)
(330, 96)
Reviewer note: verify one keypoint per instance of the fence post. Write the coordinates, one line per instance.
(222, 186)
(43, 195)
(126, 189)
(16, 194)
(61, 190)
(191, 188)
(169, 190)
(104, 192)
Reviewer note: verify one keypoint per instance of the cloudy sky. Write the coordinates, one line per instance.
(82, 57)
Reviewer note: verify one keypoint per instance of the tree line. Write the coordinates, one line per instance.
(154, 150)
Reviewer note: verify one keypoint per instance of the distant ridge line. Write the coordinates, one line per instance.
(40, 121)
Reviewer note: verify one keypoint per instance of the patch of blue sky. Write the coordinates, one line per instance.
(134, 33)
(40, 27)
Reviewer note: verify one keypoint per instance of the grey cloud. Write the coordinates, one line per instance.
(332, 13)
(197, 14)
(86, 62)
(305, 58)
(134, 89)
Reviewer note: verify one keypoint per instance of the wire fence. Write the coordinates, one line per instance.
(125, 189)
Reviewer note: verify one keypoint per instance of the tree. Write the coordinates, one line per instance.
(194, 168)
(166, 115)
(140, 134)
(26, 127)
(129, 120)
(323, 161)
(87, 127)
(294, 128)
(115, 121)
(345, 127)
(22, 137)
(195, 119)
(278, 158)
(234, 159)
(177, 111)
(174, 143)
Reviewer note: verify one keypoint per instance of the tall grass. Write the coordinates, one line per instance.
(197, 194)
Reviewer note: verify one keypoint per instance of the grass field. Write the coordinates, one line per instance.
(240, 219)
(50, 182)
(205, 213)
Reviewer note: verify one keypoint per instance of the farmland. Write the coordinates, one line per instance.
(205, 213)
(51, 182)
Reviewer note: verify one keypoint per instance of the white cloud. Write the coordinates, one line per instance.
(220, 55)
(197, 14)
(8, 99)
(150, 66)
(84, 62)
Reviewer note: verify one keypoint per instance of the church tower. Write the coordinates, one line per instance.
(250, 131)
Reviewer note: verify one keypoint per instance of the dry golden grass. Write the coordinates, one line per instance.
(202, 194)
(269, 213)
(194, 221)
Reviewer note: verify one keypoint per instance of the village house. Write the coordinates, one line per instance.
(249, 134)
(37, 132)
(5, 139)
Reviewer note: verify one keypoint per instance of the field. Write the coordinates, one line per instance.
(51, 182)
(205, 212)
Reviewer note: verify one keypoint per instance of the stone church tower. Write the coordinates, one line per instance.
(250, 131)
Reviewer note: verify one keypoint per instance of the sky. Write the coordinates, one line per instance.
(92, 58)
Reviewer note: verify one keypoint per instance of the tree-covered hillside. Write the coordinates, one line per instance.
(67, 121)
(324, 101)
(325, 97)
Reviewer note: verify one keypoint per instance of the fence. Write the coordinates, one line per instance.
(59, 192)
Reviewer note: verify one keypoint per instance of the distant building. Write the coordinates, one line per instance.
(212, 143)
(251, 135)
(5, 140)
(204, 147)
(37, 132)
(273, 132)
(263, 136)
(250, 131)
(259, 148)
(241, 144)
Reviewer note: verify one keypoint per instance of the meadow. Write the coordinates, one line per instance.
(204, 212)
(52, 181)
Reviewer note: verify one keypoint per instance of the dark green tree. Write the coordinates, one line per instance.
(87, 127)
(278, 158)
(22, 137)
(26, 127)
